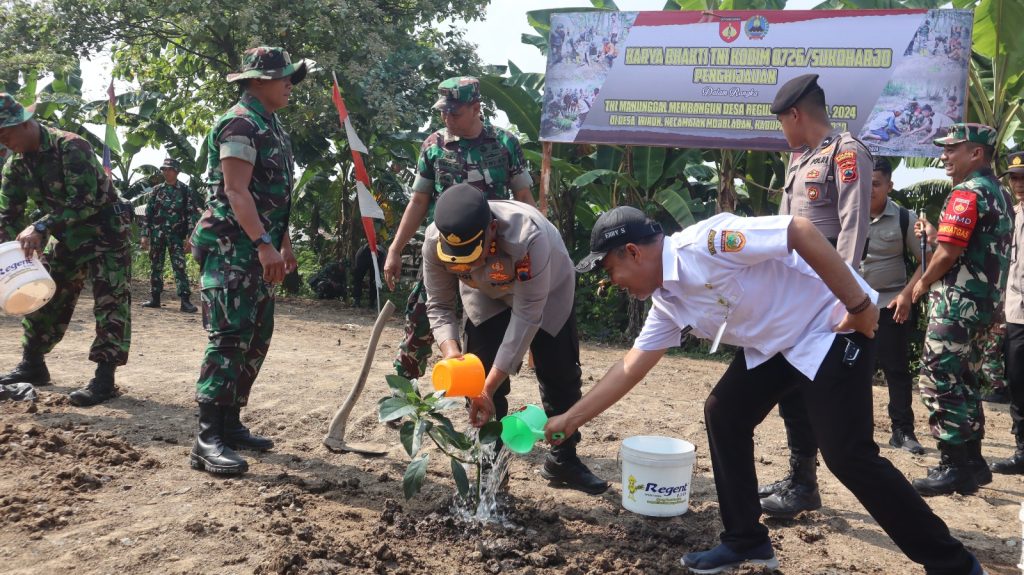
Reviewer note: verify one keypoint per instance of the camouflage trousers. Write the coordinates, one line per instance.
(949, 387)
(415, 349)
(157, 248)
(993, 366)
(240, 325)
(109, 272)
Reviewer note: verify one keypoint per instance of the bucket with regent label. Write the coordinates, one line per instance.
(25, 285)
(656, 475)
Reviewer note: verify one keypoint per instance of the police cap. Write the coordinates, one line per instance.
(793, 91)
(461, 215)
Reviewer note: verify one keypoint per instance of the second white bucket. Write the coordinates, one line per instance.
(25, 285)
(656, 475)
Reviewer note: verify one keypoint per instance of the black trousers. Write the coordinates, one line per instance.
(839, 405)
(556, 360)
(1015, 378)
(893, 343)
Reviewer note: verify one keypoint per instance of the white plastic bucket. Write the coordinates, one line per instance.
(656, 474)
(25, 285)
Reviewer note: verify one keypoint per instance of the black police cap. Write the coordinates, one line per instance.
(461, 215)
(793, 91)
(1015, 163)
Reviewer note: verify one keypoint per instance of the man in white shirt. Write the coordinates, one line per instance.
(802, 320)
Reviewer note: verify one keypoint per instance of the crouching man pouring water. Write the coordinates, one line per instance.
(508, 265)
(800, 319)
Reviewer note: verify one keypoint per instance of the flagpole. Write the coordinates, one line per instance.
(369, 209)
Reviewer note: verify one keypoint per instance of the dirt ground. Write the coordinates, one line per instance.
(108, 489)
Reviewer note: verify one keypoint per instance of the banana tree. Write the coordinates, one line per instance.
(997, 65)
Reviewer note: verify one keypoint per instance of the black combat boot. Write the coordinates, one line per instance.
(953, 474)
(186, 305)
(800, 495)
(562, 466)
(238, 436)
(209, 452)
(905, 439)
(780, 485)
(1015, 464)
(100, 388)
(977, 463)
(154, 301)
(31, 369)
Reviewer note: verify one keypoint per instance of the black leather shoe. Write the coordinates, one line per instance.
(569, 471)
(100, 388)
(796, 498)
(186, 305)
(209, 452)
(903, 439)
(1011, 466)
(805, 469)
(238, 436)
(34, 372)
(154, 301)
(775, 487)
(952, 475)
(977, 464)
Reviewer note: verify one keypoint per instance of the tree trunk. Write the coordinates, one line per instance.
(635, 315)
(727, 182)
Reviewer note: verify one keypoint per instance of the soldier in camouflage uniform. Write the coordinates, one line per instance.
(171, 214)
(968, 270)
(993, 364)
(243, 249)
(469, 150)
(57, 174)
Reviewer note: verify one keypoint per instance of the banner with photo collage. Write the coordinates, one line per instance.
(896, 79)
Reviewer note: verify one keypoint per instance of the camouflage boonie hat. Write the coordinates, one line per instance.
(172, 164)
(11, 112)
(269, 63)
(457, 91)
(968, 132)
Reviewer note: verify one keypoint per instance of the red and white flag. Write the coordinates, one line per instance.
(368, 206)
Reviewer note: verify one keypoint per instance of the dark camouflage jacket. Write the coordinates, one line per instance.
(66, 184)
(171, 212)
(247, 132)
(978, 217)
(492, 162)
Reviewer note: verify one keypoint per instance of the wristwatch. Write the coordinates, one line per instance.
(39, 227)
(263, 238)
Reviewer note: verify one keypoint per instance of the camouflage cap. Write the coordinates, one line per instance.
(11, 112)
(269, 63)
(968, 132)
(172, 164)
(457, 91)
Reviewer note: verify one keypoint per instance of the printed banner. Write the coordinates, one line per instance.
(896, 79)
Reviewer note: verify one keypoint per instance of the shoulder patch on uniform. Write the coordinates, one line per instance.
(523, 271)
(847, 155)
(732, 241)
(711, 242)
(846, 161)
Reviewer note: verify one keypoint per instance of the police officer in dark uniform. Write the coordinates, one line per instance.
(829, 183)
